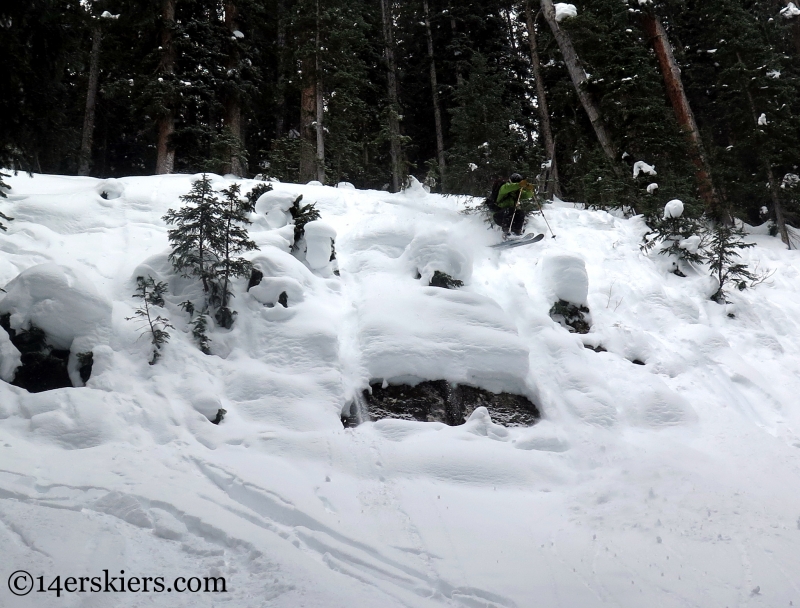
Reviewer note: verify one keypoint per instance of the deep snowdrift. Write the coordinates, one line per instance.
(673, 483)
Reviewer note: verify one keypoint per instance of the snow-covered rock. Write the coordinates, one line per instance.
(319, 236)
(566, 278)
(438, 249)
(565, 11)
(275, 204)
(62, 302)
(673, 208)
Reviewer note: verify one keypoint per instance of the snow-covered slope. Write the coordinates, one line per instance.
(674, 483)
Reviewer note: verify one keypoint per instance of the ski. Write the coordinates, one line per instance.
(525, 240)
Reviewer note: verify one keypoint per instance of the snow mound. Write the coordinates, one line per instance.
(319, 237)
(275, 204)
(9, 358)
(565, 11)
(60, 301)
(673, 208)
(565, 276)
(408, 333)
(440, 250)
(791, 11)
(642, 167)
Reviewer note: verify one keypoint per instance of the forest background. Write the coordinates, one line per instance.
(619, 103)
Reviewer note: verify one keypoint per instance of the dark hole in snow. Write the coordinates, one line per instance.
(678, 272)
(637, 362)
(598, 349)
(85, 360)
(255, 278)
(283, 299)
(441, 401)
(43, 367)
(220, 416)
(104, 195)
(418, 276)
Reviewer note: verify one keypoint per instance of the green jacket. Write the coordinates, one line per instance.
(507, 197)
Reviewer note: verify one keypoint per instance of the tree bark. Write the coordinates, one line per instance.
(280, 113)
(394, 105)
(437, 111)
(308, 136)
(780, 221)
(165, 159)
(553, 185)
(454, 29)
(320, 107)
(233, 105)
(91, 100)
(578, 76)
(684, 115)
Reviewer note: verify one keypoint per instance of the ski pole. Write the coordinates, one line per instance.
(516, 208)
(546, 222)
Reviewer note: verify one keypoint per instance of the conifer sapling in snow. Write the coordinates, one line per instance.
(302, 216)
(199, 329)
(678, 236)
(721, 254)
(196, 236)
(152, 294)
(232, 240)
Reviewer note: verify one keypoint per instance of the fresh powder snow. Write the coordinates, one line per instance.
(665, 470)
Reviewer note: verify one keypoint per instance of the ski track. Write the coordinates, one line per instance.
(674, 484)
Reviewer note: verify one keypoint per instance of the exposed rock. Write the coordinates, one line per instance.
(440, 401)
(255, 278)
(571, 316)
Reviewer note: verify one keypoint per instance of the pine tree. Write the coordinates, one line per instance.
(152, 294)
(234, 240)
(197, 237)
(200, 332)
(722, 255)
(301, 216)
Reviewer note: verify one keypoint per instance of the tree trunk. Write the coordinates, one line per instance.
(780, 221)
(320, 108)
(280, 112)
(394, 106)
(308, 136)
(165, 159)
(437, 112)
(553, 185)
(233, 106)
(91, 100)
(684, 115)
(459, 75)
(578, 76)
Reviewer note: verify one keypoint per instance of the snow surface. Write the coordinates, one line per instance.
(675, 483)
(565, 11)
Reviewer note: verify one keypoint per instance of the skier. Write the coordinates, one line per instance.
(514, 203)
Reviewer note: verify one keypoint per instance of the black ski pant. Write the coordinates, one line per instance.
(504, 217)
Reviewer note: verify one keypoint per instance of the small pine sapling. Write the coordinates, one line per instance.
(3, 188)
(302, 216)
(199, 328)
(152, 294)
(679, 236)
(233, 240)
(722, 256)
(196, 236)
(254, 194)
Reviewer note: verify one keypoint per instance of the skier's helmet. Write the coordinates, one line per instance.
(515, 178)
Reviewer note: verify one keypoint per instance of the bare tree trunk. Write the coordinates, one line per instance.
(437, 111)
(459, 75)
(91, 100)
(233, 106)
(553, 185)
(308, 136)
(280, 113)
(320, 108)
(394, 105)
(684, 115)
(165, 160)
(578, 76)
(780, 221)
